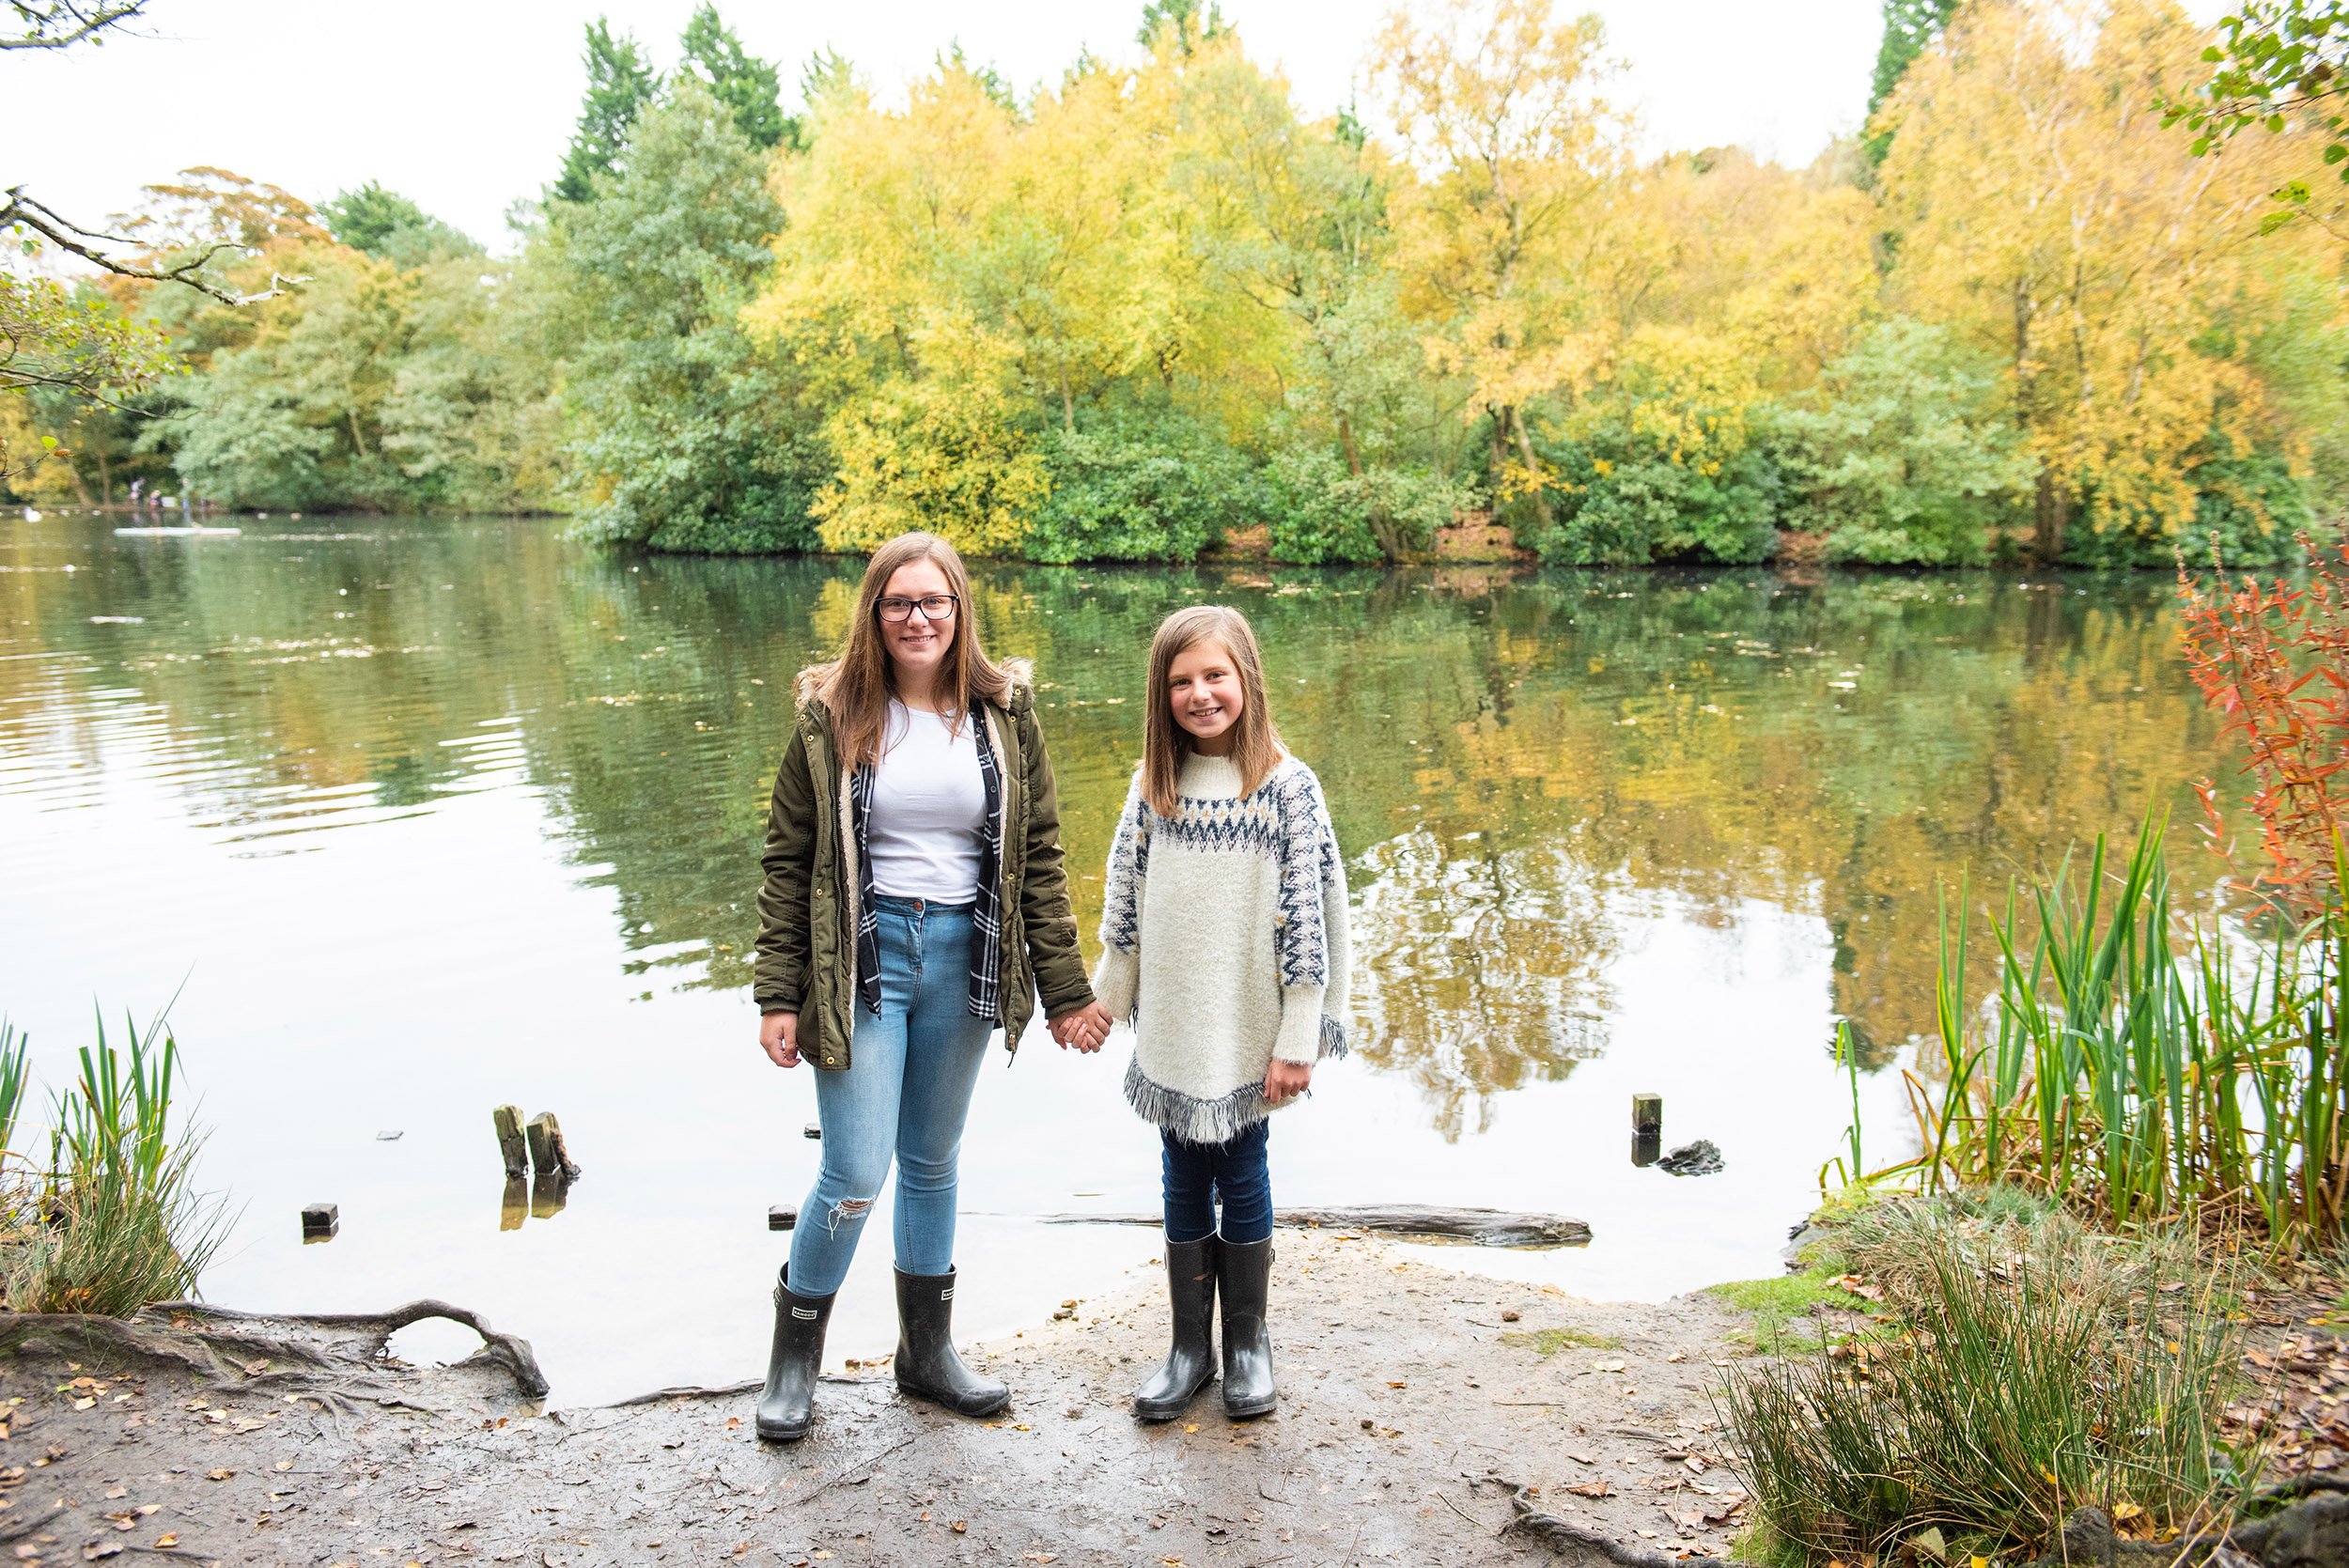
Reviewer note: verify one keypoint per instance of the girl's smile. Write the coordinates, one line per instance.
(1204, 690)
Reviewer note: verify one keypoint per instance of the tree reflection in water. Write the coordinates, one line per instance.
(1518, 762)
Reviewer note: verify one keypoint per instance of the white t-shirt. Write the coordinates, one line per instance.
(929, 809)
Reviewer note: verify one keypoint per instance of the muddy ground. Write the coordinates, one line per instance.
(1404, 1387)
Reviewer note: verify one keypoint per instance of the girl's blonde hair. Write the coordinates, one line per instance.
(1256, 750)
(857, 686)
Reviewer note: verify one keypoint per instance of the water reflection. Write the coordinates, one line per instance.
(1510, 757)
(1600, 824)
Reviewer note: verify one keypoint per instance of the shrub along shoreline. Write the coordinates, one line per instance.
(1158, 303)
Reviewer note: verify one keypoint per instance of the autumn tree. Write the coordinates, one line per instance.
(1909, 28)
(2047, 216)
(1519, 156)
(2281, 65)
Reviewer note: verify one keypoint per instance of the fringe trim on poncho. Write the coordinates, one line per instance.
(1217, 1121)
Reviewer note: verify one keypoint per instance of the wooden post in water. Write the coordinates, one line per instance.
(548, 1156)
(508, 1121)
(1647, 1115)
(1647, 1129)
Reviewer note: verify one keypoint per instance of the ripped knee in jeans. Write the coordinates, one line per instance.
(848, 1208)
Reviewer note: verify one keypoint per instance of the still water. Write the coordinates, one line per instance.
(415, 818)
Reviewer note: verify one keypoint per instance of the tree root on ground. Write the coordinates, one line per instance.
(1567, 1537)
(337, 1352)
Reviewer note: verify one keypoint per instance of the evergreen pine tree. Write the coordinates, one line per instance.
(619, 85)
(739, 80)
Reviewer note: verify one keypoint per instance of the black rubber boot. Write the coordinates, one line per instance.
(1189, 1366)
(927, 1367)
(1243, 1279)
(787, 1404)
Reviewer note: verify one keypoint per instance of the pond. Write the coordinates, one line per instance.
(418, 817)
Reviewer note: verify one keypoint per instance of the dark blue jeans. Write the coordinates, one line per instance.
(1198, 1176)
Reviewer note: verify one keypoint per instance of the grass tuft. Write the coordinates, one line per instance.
(2038, 1369)
(1779, 1306)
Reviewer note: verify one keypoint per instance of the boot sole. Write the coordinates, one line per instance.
(1250, 1412)
(946, 1403)
(782, 1434)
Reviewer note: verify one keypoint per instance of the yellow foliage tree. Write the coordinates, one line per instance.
(2041, 208)
(1521, 162)
(937, 449)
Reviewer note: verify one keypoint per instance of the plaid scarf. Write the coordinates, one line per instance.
(987, 908)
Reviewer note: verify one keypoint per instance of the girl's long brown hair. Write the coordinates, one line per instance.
(857, 686)
(1256, 750)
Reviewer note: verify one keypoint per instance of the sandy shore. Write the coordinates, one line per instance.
(1403, 1388)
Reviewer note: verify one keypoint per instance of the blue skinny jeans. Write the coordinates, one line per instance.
(903, 1096)
(1198, 1176)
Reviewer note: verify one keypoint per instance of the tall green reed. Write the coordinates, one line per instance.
(2141, 1065)
(114, 1221)
(13, 1047)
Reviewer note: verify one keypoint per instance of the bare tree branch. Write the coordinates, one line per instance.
(17, 208)
(63, 24)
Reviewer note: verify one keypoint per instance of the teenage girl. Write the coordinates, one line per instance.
(914, 902)
(1226, 946)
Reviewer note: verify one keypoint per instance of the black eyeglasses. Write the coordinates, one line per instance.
(934, 607)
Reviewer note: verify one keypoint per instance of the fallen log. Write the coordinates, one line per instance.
(1481, 1227)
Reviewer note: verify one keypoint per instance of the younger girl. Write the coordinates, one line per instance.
(1224, 937)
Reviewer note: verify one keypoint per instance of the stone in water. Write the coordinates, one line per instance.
(1700, 1158)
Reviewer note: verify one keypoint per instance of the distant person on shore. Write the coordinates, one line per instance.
(914, 901)
(1224, 943)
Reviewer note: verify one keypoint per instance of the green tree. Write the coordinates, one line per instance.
(744, 84)
(386, 223)
(679, 435)
(1902, 452)
(619, 85)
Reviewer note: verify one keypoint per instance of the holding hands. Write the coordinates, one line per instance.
(1085, 1028)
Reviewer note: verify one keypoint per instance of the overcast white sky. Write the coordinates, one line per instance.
(467, 107)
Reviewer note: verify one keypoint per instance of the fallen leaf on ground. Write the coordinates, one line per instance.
(1593, 1489)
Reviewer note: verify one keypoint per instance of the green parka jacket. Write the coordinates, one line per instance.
(807, 904)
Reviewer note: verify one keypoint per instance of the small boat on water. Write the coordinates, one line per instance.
(177, 533)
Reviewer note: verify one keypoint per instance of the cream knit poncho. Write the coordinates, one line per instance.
(1225, 943)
